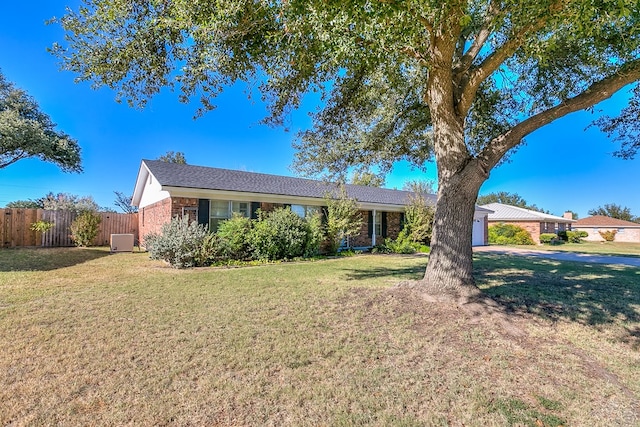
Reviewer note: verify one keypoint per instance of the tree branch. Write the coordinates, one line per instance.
(594, 94)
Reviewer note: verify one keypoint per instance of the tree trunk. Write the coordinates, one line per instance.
(450, 267)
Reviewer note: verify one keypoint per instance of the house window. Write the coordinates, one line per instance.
(304, 210)
(620, 230)
(242, 208)
(220, 210)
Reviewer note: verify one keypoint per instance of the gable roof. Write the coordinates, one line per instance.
(208, 178)
(603, 221)
(502, 212)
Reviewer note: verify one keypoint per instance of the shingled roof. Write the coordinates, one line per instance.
(208, 178)
(502, 212)
(604, 221)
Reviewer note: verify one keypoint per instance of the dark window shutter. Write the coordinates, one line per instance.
(402, 220)
(370, 225)
(254, 208)
(203, 211)
(384, 224)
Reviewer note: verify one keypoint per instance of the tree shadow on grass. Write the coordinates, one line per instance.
(46, 259)
(591, 294)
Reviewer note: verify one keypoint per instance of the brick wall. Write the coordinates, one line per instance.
(151, 218)
(629, 235)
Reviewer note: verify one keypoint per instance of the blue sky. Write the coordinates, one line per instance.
(562, 166)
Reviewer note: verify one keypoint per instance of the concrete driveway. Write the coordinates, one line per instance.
(561, 256)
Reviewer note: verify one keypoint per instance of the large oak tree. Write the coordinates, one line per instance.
(459, 81)
(28, 132)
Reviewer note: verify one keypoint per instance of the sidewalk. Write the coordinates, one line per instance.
(561, 256)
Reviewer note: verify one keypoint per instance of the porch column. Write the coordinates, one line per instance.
(373, 232)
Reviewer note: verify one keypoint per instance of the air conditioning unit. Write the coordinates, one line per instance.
(122, 243)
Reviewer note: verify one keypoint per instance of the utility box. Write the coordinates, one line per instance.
(122, 243)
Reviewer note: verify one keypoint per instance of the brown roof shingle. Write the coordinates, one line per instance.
(603, 221)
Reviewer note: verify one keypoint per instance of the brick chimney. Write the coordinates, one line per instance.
(568, 215)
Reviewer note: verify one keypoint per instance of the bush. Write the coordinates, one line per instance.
(179, 243)
(234, 237)
(343, 220)
(573, 236)
(609, 235)
(548, 238)
(509, 234)
(212, 250)
(280, 234)
(42, 226)
(85, 228)
(315, 235)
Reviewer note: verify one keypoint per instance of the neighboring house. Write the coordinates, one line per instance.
(536, 223)
(210, 195)
(626, 231)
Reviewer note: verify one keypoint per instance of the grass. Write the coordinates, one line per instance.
(92, 338)
(603, 248)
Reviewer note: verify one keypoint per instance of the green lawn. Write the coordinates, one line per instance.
(89, 338)
(603, 248)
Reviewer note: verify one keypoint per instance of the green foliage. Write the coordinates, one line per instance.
(85, 228)
(344, 220)
(509, 234)
(180, 243)
(69, 202)
(368, 179)
(173, 157)
(280, 234)
(25, 204)
(608, 235)
(402, 245)
(419, 213)
(235, 234)
(315, 234)
(42, 226)
(505, 198)
(615, 211)
(572, 236)
(548, 238)
(211, 251)
(27, 132)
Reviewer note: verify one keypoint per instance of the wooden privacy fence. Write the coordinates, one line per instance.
(15, 227)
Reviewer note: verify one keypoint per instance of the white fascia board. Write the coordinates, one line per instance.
(143, 174)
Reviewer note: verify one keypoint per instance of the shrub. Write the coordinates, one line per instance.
(42, 226)
(609, 235)
(315, 234)
(343, 220)
(212, 250)
(573, 236)
(403, 244)
(280, 234)
(548, 237)
(509, 234)
(234, 237)
(85, 228)
(179, 243)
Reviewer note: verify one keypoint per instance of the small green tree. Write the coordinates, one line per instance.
(173, 157)
(344, 220)
(419, 213)
(85, 228)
